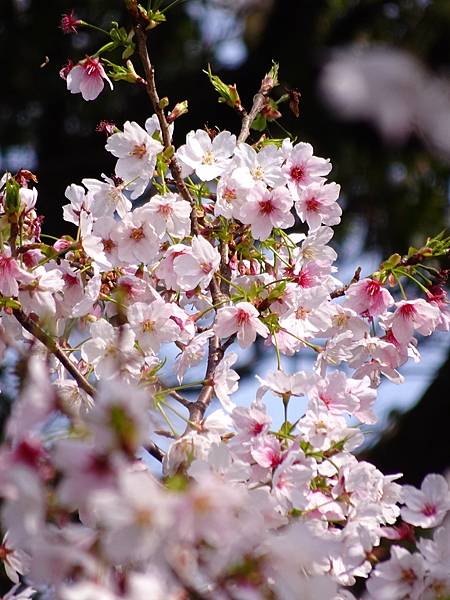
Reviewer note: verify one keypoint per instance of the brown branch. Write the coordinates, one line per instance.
(155, 451)
(215, 353)
(341, 291)
(198, 408)
(152, 92)
(53, 346)
(259, 101)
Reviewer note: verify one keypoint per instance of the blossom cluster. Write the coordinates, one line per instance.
(182, 258)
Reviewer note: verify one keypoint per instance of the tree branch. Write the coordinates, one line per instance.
(215, 353)
(341, 291)
(53, 346)
(152, 92)
(154, 451)
(259, 101)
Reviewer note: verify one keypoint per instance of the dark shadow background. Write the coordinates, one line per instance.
(58, 129)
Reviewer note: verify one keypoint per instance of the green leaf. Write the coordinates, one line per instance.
(228, 93)
(259, 123)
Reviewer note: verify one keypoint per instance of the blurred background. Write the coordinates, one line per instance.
(375, 97)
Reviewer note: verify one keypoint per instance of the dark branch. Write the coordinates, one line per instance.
(53, 346)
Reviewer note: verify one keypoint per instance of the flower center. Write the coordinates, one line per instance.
(139, 151)
(429, 510)
(373, 288)
(312, 205)
(208, 158)
(206, 267)
(229, 195)
(407, 311)
(148, 326)
(165, 210)
(266, 207)
(408, 576)
(137, 233)
(242, 317)
(302, 312)
(108, 245)
(258, 172)
(297, 173)
(92, 68)
(340, 320)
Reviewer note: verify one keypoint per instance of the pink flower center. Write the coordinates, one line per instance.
(408, 576)
(275, 459)
(373, 288)
(325, 399)
(429, 510)
(108, 246)
(242, 317)
(7, 265)
(70, 279)
(304, 279)
(301, 313)
(312, 205)
(266, 207)
(407, 311)
(206, 268)
(297, 173)
(93, 68)
(257, 428)
(165, 210)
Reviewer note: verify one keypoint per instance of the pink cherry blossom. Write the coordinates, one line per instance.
(198, 266)
(11, 274)
(265, 209)
(253, 166)
(402, 576)
(152, 324)
(243, 319)
(428, 506)
(170, 214)
(317, 205)
(302, 168)
(412, 315)
(136, 151)
(368, 297)
(88, 78)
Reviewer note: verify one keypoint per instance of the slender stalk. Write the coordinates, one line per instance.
(53, 346)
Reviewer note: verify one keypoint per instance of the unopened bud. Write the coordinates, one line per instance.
(178, 110)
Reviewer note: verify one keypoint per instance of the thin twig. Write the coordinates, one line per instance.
(341, 291)
(53, 346)
(152, 92)
(259, 101)
(155, 451)
(196, 409)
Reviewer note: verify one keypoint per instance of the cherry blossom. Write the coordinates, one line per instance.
(198, 266)
(317, 205)
(266, 209)
(136, 152)
(428, 506)
(243, 319)
(118, 478)
(412, 315)
(88, 78)
(208, 158)
(368, 297)
(302, 168)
